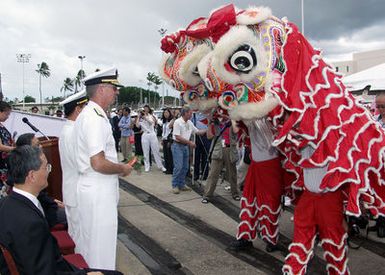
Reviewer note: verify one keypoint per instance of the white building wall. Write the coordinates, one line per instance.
(361, 61)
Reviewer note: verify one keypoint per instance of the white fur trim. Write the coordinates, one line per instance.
(205, 105)
(253, 110)
(253, 15)
(165, 77)
(190, 63)
(203, 65)
(226, 46)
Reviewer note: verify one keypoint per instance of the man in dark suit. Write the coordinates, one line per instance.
(24, 230)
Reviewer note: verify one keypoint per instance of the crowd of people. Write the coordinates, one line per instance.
(89, 145)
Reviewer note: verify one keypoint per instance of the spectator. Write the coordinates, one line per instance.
(35, 110)
(380, 118)
(138, 135)
(225, 155)
(125, 128)
(59, 113)
(182, 130)
(114, 120)
(6, 146)
(201, 169)
(168, 122)
(25, 233)
(147, 122)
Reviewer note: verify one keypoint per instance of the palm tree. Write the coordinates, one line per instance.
(42, 70)
(150, 77)
(68, 85)
(78, 79)
(157, 81)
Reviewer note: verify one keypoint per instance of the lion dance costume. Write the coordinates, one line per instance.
(264, 72)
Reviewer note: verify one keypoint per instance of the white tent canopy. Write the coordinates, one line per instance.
(374, 76)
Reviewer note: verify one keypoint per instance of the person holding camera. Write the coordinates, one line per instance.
(147, 122)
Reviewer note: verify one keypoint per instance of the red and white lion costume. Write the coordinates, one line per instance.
(331, 144)
(264, 71)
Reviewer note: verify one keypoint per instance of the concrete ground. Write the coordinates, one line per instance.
(165, 233)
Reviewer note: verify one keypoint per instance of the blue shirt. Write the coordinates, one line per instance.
(197, 119)
(124, 124)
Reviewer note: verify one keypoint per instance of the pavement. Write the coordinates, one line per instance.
(165, 233)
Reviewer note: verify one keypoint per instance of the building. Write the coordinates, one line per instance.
(361, 61)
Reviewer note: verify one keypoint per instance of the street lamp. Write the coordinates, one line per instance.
(81, 57)
(23, 58)
(141, 93)
(162, 32)
(302, 18)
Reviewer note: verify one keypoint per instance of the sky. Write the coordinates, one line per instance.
(124, 33)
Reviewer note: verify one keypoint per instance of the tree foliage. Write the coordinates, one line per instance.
(68, 85)
(43, 71)
(29, 99)
(131, 96)
(78, 80)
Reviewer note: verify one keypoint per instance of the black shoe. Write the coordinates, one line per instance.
(241, 244)
(271, 248)
(124, 160)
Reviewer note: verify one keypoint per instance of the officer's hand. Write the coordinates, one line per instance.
(94, 273)
(127, 169)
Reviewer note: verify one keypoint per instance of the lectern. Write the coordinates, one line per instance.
(51, 151)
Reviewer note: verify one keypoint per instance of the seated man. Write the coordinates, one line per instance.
(24, 230)
(53, 208)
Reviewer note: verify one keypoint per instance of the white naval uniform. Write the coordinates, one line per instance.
(70, 178)
(98, 194)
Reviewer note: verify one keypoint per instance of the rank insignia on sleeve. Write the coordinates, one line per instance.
(98, 113)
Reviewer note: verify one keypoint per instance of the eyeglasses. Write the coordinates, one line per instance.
(113, 87)
(49, 167)
(380, 106)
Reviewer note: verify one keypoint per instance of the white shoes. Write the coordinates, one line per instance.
(163, 169)
(146, 169)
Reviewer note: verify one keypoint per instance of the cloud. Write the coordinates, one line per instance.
(125, 34)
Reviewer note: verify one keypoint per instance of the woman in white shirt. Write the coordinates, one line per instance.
(168, 122)
(147, 122)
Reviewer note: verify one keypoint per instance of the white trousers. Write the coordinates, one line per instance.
(98, 219)
(151, 141)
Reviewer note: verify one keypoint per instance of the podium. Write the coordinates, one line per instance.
(51, 150)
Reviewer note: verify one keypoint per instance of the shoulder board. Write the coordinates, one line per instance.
(98, 113)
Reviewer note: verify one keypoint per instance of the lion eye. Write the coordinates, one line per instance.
(195, 71)
(243, 59)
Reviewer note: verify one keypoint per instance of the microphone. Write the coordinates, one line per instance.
(26, 121)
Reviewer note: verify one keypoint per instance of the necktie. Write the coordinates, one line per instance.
(40, 208)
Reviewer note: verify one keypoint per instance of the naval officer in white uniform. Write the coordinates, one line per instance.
(72, 105)
(99, 169)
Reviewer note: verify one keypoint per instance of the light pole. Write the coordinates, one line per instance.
(23, 58)
(80, 74)
(81, 57)
(162, 32)
(302, 18)
(141, 94)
